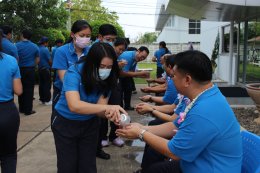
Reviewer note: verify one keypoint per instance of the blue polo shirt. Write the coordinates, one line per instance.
(64, 57)
(44, 57)
(72, 82)
(171, 92)
(27, 52)
(9, 71)
(129, 56)
(209, 140)
(9, 48)
(158, 54)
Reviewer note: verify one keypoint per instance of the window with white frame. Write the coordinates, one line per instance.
(170, 22)
(194, 26)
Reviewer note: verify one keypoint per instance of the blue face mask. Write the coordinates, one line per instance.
(109, 42)
(104, 73)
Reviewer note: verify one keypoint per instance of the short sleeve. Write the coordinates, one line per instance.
(72, 80)
(60, 60)
(16, 70)
(194, 134)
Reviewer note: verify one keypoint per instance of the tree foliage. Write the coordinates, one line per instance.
(147, 38)
(215, 53)
(32, 14)
(91, 10)
(253, 29)
(96, 24)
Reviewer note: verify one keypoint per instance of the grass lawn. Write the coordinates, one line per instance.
(252, 71)
(152, 74)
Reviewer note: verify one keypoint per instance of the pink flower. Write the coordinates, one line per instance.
(181, 118)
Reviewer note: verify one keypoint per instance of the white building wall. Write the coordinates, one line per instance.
(209, 32)
(179, 33)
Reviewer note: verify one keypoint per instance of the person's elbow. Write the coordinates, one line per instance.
(74, 107)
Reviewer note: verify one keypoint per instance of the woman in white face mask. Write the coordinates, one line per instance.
(70, 53)
(86, 89)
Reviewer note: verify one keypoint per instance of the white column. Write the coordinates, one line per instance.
(231, 49)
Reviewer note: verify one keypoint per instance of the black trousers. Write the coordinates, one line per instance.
(9, 126)
(133, 84)
(115, 99)
(45, 84)
(159, 72)
(164, 167)
(26, 99)
(155, 162)
(76, 143)
(151, 156)
(127, 88)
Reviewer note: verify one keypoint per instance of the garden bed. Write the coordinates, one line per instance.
(246, 118)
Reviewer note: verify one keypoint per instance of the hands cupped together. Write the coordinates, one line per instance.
(143, 108)
(130, 131)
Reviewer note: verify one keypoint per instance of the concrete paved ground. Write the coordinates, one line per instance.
(36, 150)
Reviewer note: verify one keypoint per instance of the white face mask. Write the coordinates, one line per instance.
(104, 73)
(82, 42)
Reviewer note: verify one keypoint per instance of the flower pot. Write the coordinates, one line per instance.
(253, 91)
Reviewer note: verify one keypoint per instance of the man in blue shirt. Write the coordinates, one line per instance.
(44, 72)
(7, 46)
(208, 138)
(28, 53)
(128, 71)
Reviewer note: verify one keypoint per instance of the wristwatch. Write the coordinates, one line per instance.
(141, 134)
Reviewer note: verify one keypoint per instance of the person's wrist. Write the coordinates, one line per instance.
(151, 99)
(152, 110)
(141, 134)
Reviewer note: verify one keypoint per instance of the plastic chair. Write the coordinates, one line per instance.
(251, 152)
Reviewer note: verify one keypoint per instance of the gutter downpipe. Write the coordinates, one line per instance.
(231, 49)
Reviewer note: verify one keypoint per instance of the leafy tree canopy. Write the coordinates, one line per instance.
(148, 37)
(91, 10)
(96, 24)
(32, 14)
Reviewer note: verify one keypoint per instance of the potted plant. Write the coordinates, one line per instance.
(253, 91)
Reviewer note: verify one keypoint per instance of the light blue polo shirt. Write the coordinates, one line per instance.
(44, 57)
(171, 92)
(158, 54)
(9, 71)
(209, 140)
(72, 82)
(9, 48)
(27, 52)
(64, 57)
(129, 56)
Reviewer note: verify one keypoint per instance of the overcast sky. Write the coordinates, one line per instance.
(135, 16)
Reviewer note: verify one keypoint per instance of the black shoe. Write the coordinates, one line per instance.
(130, 108)
(101, 154)
(29, 113)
